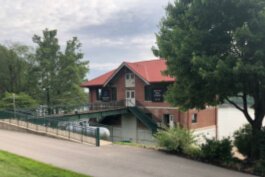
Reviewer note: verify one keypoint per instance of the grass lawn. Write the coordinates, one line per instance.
(16, 166)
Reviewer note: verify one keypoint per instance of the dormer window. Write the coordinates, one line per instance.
(129, 76)
(129, 79)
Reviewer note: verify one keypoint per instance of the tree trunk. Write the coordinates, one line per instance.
(255, 142)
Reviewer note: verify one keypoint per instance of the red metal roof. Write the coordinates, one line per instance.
(98, 81)
(150, 71)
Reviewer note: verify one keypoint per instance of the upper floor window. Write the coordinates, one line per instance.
(113, 93)
(147, 93)
(157, 94)
(99, 92)
(107, 94)
(129, 76)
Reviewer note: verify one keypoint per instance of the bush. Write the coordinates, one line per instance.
(193, 152)
(22, 100)
(217, 151)
(259, 168)
(175, 139)
(242, 140)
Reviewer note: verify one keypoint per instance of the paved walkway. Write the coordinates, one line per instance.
(107, 161)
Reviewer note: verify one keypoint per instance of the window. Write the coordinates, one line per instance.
(132, 94)
(166, 119)
(157, 94)
(147, 93)
(194, 118)
(127, 94)
(99, 91)
(113, 93)
(129, 76)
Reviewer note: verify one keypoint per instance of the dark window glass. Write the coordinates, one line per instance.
(147, 93)
(128, 76)
(99, 90)
(114, 94)
(166, 119)
(132, 94)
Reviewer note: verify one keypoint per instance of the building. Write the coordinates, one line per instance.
(142, 87)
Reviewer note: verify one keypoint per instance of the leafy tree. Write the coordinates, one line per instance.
(59, 73)
(13, 68)
(72, 71)
(216, 51)
(21, 100)
(47, 57)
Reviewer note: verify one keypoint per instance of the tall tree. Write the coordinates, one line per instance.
(60, 74)
(72, 70)
(216, 51)
(47, 57)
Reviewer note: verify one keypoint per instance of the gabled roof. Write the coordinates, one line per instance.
(149, 71)
(98, 81)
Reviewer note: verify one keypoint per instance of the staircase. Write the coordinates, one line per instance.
(146, 120)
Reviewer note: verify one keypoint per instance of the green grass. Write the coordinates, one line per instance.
(16, 166)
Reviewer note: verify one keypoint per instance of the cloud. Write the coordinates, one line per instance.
(110, 30)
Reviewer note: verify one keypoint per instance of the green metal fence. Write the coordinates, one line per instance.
(58, 126)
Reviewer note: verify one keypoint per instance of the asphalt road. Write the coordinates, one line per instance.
(107, 161)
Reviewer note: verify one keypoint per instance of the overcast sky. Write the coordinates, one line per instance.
(111, 31)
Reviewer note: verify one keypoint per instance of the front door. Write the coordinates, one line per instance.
(130, 98)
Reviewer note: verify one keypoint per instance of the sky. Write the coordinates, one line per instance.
(111, 31)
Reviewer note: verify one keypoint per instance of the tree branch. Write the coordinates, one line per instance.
(244, 110)
(235, 105)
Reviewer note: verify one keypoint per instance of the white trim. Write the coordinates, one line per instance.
(119, 68)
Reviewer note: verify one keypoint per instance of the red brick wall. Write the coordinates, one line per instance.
(158, 113)
(119, 83)
(92, 95)
(205, 118)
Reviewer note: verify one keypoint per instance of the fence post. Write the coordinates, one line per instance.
(97, 137)
(46, 125)
(82, 134)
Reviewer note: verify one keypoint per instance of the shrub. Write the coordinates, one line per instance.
(22, 100)
(175, 139)
(242, 140)
(259, 168)
(217, 151)
(193, 152)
